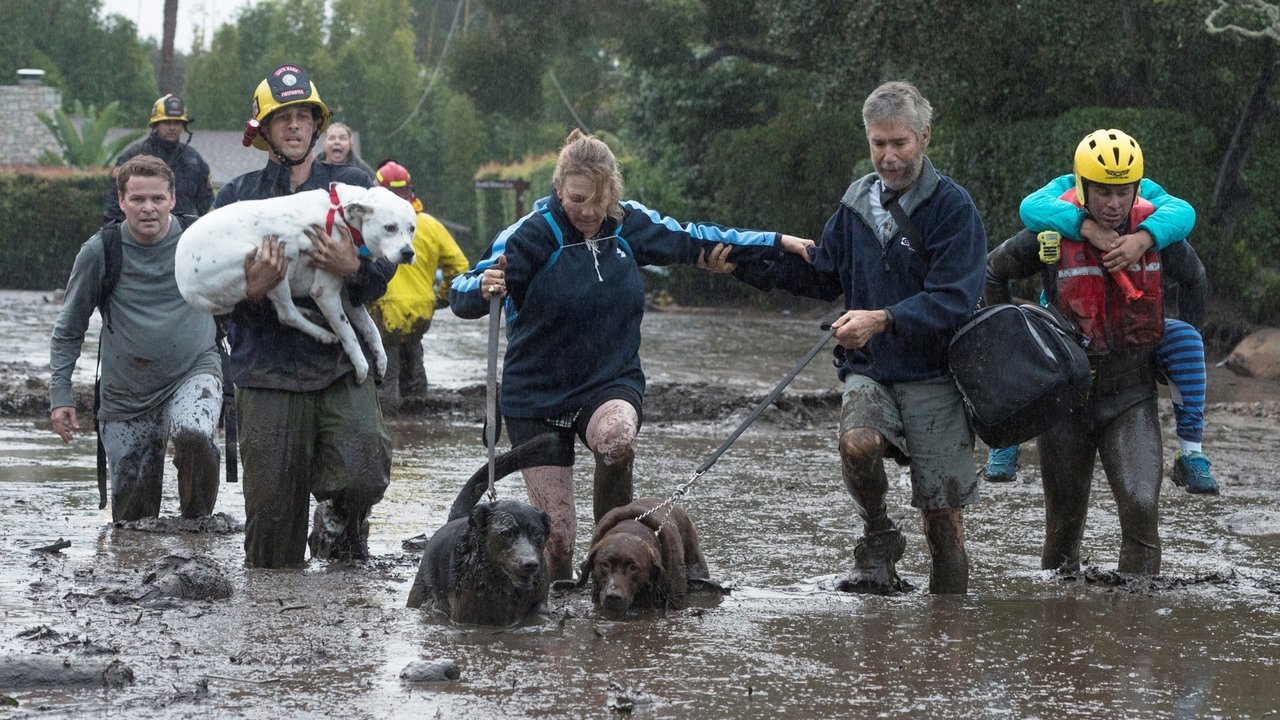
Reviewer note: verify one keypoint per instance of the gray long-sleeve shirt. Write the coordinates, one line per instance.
(158, 341)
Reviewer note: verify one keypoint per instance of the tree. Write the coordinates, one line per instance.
(166, 47)
(218, 86)
(91, 59)
(88, 147)
(1230, 192)
(221, 81)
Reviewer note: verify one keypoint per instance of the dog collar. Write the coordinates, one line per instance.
(335, 208)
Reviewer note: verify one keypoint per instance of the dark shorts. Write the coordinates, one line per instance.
(521, 429)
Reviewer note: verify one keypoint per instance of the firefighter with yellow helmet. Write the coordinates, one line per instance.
(404, 314)
(193, 186)
(307, 428)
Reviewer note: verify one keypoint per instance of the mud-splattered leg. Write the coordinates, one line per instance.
(277, 442)
(551, 490)
(413, 373)
(1067, 455)
(351, 468)
(1131, 454)
(944, 531)
(862, 466)
(389, 388)
(611, 435)
(135, 456)
(193, 419)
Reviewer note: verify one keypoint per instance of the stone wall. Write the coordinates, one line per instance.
(23, 138)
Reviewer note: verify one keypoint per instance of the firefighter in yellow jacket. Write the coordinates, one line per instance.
(403, 314)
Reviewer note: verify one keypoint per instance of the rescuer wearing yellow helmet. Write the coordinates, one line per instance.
(1127, 337)
(193, 187)
(307, 427)
(1112, 157)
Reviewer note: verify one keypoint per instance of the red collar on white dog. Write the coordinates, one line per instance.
(335, 208)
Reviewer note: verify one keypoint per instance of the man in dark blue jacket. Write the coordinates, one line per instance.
(306, 426)
(907, 250)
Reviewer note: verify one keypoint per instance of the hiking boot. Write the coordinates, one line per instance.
(336, 536)
(873, 570)
(1002, 464)
(1191, 471)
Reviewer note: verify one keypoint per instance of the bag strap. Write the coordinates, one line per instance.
(1049, 283)
(113, 259)
(889, 200)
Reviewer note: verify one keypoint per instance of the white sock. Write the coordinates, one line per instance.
(1189, 447)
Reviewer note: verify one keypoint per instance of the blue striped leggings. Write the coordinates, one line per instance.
(1181, 358)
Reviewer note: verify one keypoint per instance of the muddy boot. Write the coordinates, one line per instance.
(944, 530)
(873, 564)
(882, 544)
(198, 461)
(613, 486)
(339, 535)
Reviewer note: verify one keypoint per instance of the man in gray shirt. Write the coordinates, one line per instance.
(161, 374)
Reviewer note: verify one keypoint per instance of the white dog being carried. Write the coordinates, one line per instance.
(210, 262)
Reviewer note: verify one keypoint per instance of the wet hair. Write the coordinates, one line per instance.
(589, 156)
(353, 157)
(898, 100)
(143, 166)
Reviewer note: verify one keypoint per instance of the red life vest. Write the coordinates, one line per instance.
(1089, 297)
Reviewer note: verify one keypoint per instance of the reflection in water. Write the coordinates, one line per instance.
(776, 524)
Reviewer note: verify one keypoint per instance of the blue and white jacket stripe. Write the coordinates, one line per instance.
(574, 312)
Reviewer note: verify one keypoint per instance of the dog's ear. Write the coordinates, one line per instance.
(657, 573)
(656, 567)
(359, 207)
(480, 516)
(356, 213)
(585, 570)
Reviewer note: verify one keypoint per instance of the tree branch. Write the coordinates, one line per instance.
(1270, 11)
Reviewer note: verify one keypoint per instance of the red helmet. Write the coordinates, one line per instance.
(394, 177)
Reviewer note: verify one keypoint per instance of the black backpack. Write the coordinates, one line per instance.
(1020, 368)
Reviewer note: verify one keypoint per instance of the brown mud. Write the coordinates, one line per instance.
(776, 526)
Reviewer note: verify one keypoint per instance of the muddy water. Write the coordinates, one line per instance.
(776, 525)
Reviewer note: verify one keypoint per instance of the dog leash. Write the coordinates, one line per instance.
(491, 390)
(755, 414)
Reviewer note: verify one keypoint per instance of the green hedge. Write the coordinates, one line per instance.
(47, 215)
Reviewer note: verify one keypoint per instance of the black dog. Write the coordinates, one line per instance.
(486, 565)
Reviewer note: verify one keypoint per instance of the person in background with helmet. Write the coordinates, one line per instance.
(1181, 350)
(168, 121)
(403, 314)
(337, 148)
(1119, 421)
(306, 426)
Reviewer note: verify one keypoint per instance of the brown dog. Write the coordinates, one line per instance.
(645, 563)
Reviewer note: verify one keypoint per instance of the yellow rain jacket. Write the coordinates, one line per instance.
(410, 299)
